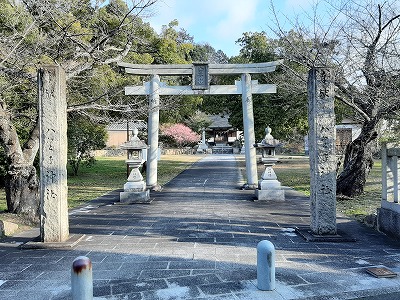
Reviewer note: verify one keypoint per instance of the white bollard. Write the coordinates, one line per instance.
(265, 266)
(82, 279)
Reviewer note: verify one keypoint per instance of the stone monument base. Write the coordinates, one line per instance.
(269, 195)
(272, 184)
(136, 186)
(202, 148)
(388, 218)
(135, 197)
(70, 242)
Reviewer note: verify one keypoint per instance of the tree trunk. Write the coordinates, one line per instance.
(357, 162)
(22, 192)
(21, 186)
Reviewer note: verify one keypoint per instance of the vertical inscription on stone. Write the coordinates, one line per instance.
(321, 118)
(200, 76)
(53, 155)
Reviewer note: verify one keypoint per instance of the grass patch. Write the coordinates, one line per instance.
(366, 203)
(294, 172)
(109, 173)
(3, 203)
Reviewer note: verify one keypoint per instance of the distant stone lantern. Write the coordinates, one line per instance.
(269, 188)
(135, 188)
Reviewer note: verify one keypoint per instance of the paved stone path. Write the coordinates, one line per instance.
(197, 240)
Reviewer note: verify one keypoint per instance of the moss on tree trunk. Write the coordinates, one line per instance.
(22, 192)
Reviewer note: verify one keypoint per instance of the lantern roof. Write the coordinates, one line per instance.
(269, 141)
(134, 142)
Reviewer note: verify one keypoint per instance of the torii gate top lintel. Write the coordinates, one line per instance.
(188, 69)
(200, 72)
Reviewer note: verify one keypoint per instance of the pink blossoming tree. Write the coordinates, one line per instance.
(180, 134)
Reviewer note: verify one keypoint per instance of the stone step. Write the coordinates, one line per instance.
(222, 150)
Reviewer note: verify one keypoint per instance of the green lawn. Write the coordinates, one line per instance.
(294, 171)
(3, 205)
(109, 173)
(370, 200)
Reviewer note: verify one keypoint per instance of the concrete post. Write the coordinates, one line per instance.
(82, 279)
(265, 266)
(385, 196)
(395, 169)
(53, 154)
(248, 128)
(153, 124)
(321, 120)
(390, 174)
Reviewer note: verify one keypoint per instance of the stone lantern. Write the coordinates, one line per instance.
(269, 188)
(135, 188)
(202, 146)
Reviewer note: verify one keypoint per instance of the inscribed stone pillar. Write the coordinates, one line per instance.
(53, 154)
(153, 124)
(248, 128)
(321, 119)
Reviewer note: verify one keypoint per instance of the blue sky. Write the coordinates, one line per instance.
(221, 22)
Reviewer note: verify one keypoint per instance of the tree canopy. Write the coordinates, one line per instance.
(83, 37)
(285, 111)
(83, 138)
(359, 42)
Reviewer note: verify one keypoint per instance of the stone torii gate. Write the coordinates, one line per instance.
(200, 86)
(54, 227)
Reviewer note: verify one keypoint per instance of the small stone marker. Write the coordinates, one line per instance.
(7, 228)
(381, 272)
(202, 146)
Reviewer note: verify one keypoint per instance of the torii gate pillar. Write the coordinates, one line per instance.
(153, 125)
(248, 128)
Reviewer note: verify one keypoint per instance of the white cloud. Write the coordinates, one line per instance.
(163, 13)
(236, 19)
(217, 22)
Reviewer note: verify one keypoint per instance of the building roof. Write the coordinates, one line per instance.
(219, 122)
(122, 125)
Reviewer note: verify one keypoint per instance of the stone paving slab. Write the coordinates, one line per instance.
(197, 240)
